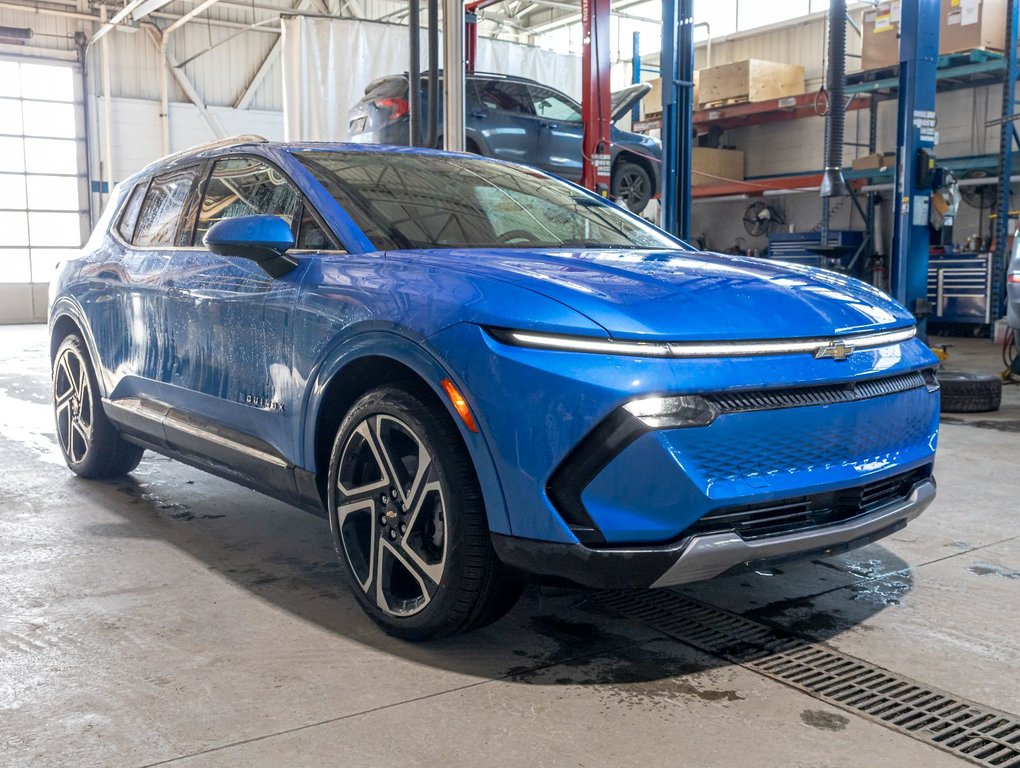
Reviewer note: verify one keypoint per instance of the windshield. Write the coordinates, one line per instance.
(405, 201)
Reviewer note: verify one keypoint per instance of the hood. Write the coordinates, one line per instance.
(684, 296)
(622, 100)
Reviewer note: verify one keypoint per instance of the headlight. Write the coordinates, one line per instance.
(679, 411)
(578, 343)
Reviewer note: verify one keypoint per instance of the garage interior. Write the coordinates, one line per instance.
(173, 618)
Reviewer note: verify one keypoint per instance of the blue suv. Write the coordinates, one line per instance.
(481, 374)
(519, 120)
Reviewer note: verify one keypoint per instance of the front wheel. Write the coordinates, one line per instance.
(408, 520)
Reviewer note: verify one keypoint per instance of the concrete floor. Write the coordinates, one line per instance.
(175, 619)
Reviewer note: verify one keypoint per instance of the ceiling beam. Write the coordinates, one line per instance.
(118, 17)
(201, 7)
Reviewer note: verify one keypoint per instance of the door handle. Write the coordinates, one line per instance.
(479, 114)
(544, 124)
(177, 293)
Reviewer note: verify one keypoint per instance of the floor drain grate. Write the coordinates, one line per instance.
(963, 728)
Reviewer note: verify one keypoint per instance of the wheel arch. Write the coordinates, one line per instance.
(387, 358)
(67, 317)
(626, 156)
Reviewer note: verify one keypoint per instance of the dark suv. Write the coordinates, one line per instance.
(516, 119)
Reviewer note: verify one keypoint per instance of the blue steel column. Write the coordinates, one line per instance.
(635, 111)
(1007, 136)
(677, 114)
(919, 52)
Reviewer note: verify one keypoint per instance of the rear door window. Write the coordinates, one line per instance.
(160, 216)
(553, 106)
(245, 186)
(504, 96)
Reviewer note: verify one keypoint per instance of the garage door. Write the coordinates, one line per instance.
(42, 216)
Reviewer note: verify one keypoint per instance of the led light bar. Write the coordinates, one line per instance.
(836, 347)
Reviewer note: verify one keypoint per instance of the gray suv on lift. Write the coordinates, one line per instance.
(516, 119)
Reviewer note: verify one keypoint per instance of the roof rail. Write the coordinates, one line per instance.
(229, 141)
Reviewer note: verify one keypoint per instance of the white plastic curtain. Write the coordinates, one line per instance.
(328, 62)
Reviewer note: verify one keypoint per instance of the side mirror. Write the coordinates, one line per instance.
(262, 239)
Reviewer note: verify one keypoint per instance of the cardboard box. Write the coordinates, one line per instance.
(716, 166)
(651, 104)
(749, 80)
(963, 26)
(873, 162)
(967, 24)
(880, 40)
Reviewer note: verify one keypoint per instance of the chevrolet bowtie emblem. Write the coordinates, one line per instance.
(834, 350)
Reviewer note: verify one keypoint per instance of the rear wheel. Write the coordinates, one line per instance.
(631, 185)
(408, 520)
(91, 445)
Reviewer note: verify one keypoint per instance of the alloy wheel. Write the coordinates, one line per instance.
(631, 187)
(72, 398)
(391, 515)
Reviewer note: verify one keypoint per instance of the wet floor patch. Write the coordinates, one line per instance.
(993, 569)
(826, 721)
(652, 675)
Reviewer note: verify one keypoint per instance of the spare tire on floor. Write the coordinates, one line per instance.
(969, 392)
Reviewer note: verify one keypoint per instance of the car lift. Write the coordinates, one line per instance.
(915, 156)
(595, 99)
(677, 114)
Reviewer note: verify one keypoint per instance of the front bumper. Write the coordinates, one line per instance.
(701, 557)
(550, 421)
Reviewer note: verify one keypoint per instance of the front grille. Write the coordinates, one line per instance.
(807, 512)
(796, 397)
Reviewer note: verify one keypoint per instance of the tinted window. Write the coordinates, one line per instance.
(311, 236)
(402, 200)
(129, 216)
(505, 96)
(161, 211)
(553, 106)
(245, 186)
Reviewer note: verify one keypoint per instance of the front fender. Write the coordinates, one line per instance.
(430, 369)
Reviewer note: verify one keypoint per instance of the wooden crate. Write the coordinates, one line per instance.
(749, 80)
(651, 104)
(716, 166)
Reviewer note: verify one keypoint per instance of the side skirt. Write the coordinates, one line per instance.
(216, 449)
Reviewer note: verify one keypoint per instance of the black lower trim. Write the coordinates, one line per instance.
(578, 565)
(215, 449)
(805, 513)
(582, 464)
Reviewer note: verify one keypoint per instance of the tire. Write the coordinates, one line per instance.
(417, 552)
(969, 392)
(91, 445)
(631, 185)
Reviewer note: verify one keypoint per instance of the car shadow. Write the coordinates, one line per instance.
(553, 636)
